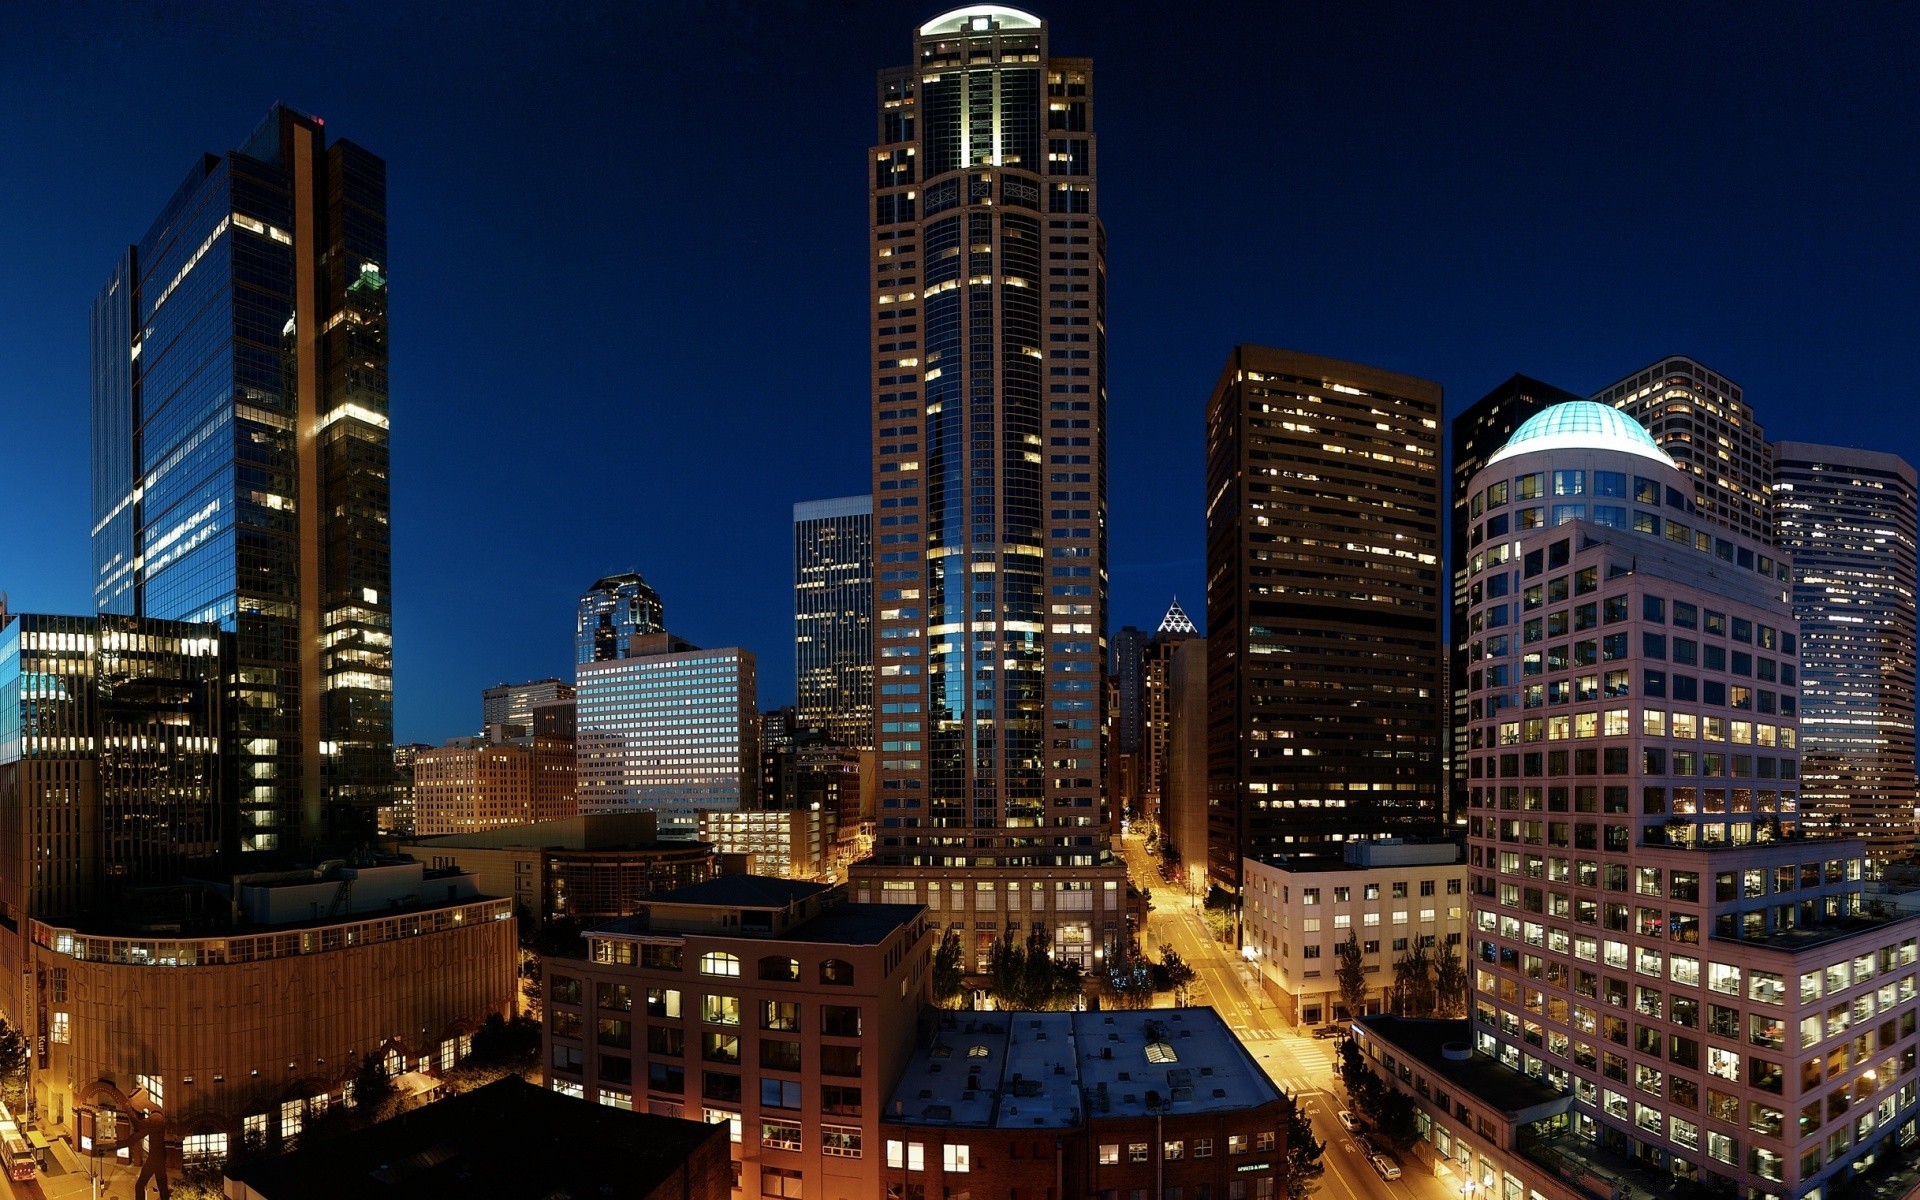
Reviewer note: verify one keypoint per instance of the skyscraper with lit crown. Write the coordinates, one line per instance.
(988, 294)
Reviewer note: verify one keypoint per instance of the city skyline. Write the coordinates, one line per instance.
(1542, 295)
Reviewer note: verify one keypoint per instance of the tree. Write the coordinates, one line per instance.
(1126, 978)
(1304, 1150)
(1449, 983)
(1173, 973)
(13, 1065)
(1352, 976)
(1025, 975)
(372, 1086)
(1221, 914)
(1363, 1087)
(1413, 983)
(949, 972)
(1395, 1120)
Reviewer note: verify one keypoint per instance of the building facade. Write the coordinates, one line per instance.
(669, 727)
(1654, 937)
(1390, 897)
(989, 455)
(1847, 519)
(1156, 709)
(1183, 818)
(248, 488)
(613, 613)
(512, 704)
(555, 760)
(1165, 1102)
(833, 617)
(468, 785)
(787, 843)
(1703, 422)
(754, 1003)
(397, 817)
(1327, 703)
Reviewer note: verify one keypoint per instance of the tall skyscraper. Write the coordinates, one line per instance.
(1477, 433)
(1701, 419)
(989, 452)
(613, 613)
(1847, 519)
(1156, 708)
(833, 617)
(1326, 707)
(239, 379)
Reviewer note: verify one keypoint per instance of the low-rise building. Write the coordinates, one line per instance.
(793, 843)
(588, 868)
(1390, 896)
(1161, 1102)
(761, 1004)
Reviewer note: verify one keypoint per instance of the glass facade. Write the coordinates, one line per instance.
(239, 367)
(989, 387)
(615, 611)
(1847, 518)
(833, 618)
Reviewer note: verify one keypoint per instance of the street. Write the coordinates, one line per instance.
(1300, 1064)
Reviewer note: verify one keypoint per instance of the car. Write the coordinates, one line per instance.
(1351, 1123)
(1329, 1031)
(1387, 1167)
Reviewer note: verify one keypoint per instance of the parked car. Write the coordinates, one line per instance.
(1387, 1167)
(1352, 1123)
(1330, 1031)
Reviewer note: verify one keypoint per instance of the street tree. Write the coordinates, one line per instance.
(949, 974)
(1173, 973)
(1395, 1120)
(1126, 977)
(1304, 1154)
(13, 1065)
(1413, 983)
(1024, 975)
(1351, 975)
(1449, 983)
(1363, 1087)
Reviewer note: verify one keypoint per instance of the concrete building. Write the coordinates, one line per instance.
(988, 290)
(259, 1014)
(1702, 421)
(476, 1144)
(1653, 937)
(1327, 699)
(1162, 1102)
(1847, 519)
(396, 820)
(670, 727)
(468, 784)
(1391, 897)
(512, 704)
(259, 501)
(754, 1003)
(556, 765)
(1184, 815)
(786, 843)
(1156, 709)
(833, 617)
(581, 869)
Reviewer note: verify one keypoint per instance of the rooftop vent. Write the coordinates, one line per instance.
(1456, 1051)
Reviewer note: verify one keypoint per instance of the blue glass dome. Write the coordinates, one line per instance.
(1582, 425)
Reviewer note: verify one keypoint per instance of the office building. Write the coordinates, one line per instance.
(1705, 989)
(784, 843)
(1165, 1102)
(396, 819)
(614, 613)
(989, 454)
(510, 705)
(248, 488)
(669, 727)
(1391, 897)
(1476, 434)
(1326, 704)
(1846, 517)
(1701, 419)
(478, 1142)
(1126, 721)
(833, 617)
(1183, 819)
(469, 784)
(755, 1003)
(577, 870)
(112, 768)
(555, 760)
(1156, 709)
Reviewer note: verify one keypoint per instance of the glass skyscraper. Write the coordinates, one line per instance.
(1846, 517)
(613, 613)
(833, 617)
(239, 380)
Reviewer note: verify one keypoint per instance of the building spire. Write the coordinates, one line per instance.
(1176, 620)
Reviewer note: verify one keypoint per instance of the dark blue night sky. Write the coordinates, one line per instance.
(628, 255)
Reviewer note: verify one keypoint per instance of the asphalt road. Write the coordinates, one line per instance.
(1301, 1065)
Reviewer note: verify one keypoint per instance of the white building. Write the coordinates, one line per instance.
(671, 727)
(1389, 895)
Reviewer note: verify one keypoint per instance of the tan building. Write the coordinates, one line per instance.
(1389, 896)
(789, 843)
(587, 868)
(1086, 910)
(756, 1003)
(555, 764)
(1326, 700)
(467, 785)
(256, 1025)
(1703, 422)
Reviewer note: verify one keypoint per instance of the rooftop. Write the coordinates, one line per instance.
(1444, 1051)
(482, 1142)
(1581, 425)
(855, 924)
(1056, 1070)
(743, 891)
